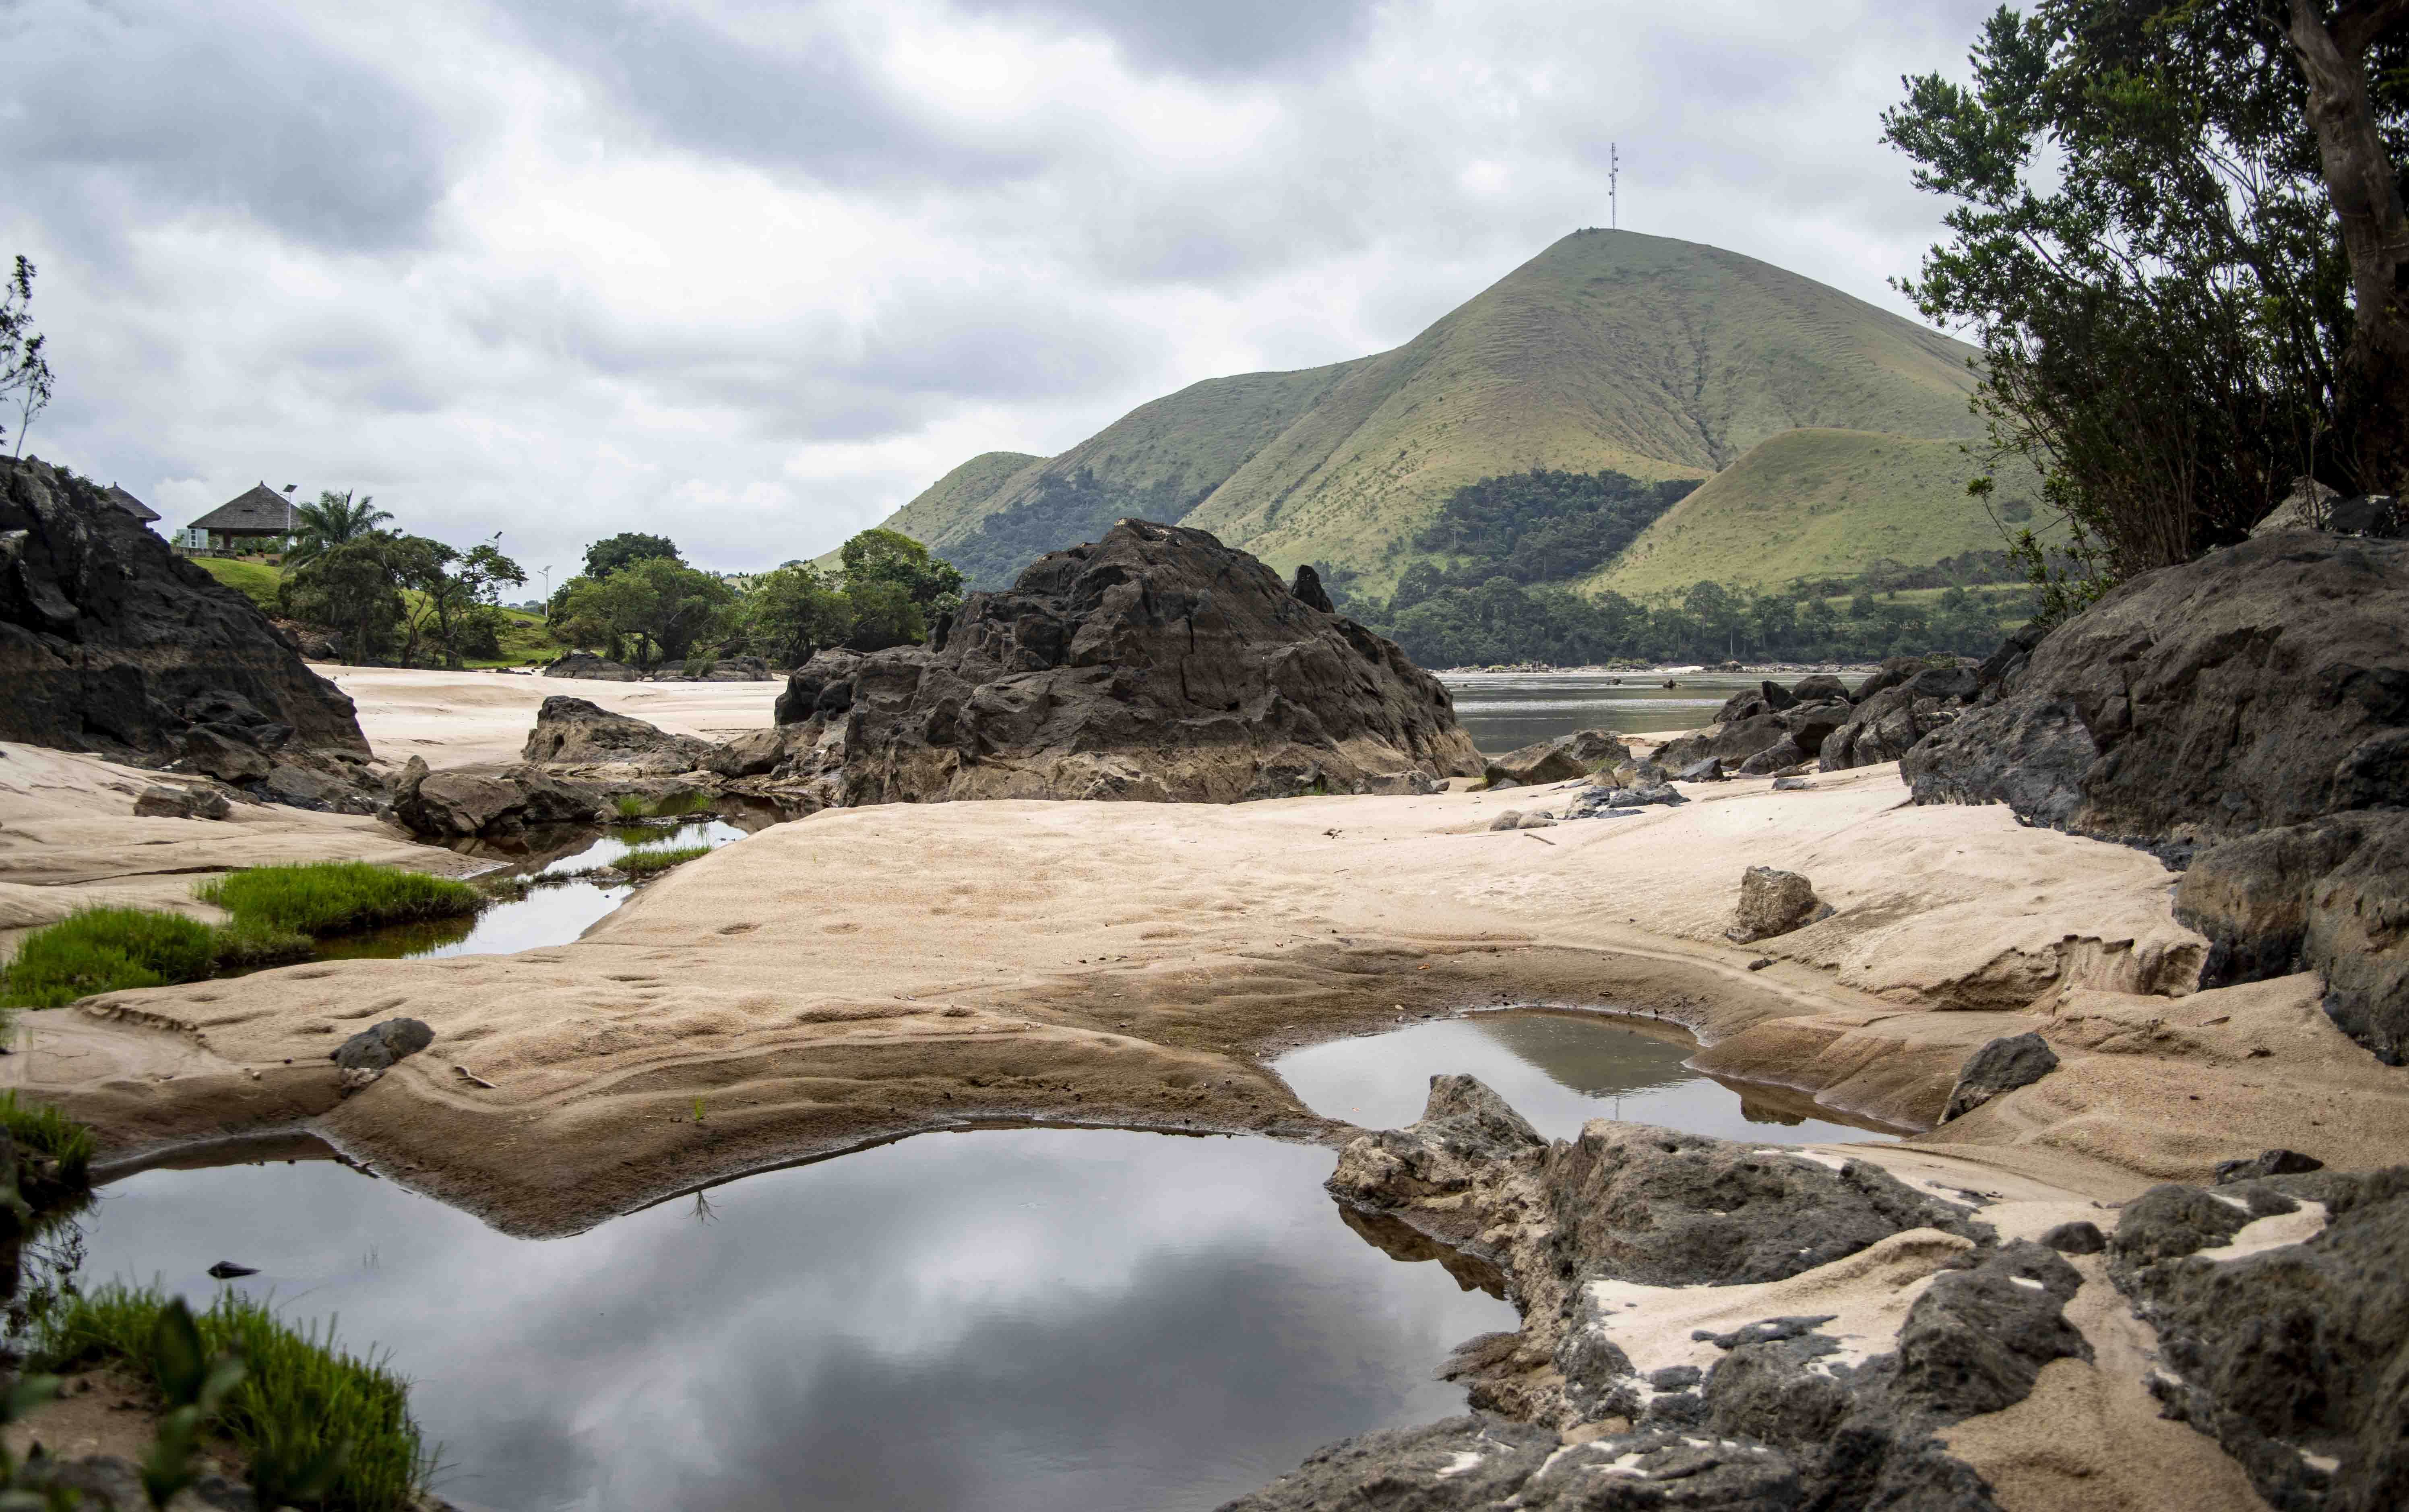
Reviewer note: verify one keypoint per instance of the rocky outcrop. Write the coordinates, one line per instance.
(1562, 759)
(2282, 1310)
(1155, 664)
(501, 803)
(2330, 896)
(1769, 730)
(2265, 684)
(109, 643)
(587, 665)
(1773, 1419)
(573, 732)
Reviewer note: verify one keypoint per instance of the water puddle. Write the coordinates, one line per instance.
(1559, 1068)
(558, 909)
(1506, 711)
(1022, 1320)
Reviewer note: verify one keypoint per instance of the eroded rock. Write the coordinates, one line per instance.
(492, 803)
(587, 665)
(1999, 1067)
(1774, 903)
(574, 732)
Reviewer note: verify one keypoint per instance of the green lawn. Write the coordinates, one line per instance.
(255, 581)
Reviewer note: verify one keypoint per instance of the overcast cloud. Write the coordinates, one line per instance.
(755, 272)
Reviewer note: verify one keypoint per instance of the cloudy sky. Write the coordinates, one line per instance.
(754, 272)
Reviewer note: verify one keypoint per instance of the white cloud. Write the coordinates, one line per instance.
(754, 274)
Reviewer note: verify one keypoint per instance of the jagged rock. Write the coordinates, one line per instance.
(1781, 755)
(1155, 664)
(1596, 799)
(1642, 773)
(491, 803)
(1763, 699)
(1710, 769)
(164, 802)
(2266, 683)
(2369, 514)
(1774, 903)
(587, 665)
(1822, 687)
(572, 732)
(2329, 896)
(2291, 1358)
(1734, 742)
(109, 643)
(1894, 672)
(1473, 1462)
(1562, 759)
(2001, 1066)
(1308, 591)
(1886, 726)
(2267, 1163)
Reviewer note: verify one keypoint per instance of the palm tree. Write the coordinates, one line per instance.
(334, 521)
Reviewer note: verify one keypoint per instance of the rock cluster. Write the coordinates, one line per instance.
(585, 663)
(109, 643)
(1770, 730)
(501, 803)
(1155, 664)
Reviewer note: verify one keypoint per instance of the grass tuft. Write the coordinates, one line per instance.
(113, 949)
(645, 862)
(299, 1394)
(321, 897)
(41, 1129)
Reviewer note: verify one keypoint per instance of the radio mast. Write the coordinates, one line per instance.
(1613, 186)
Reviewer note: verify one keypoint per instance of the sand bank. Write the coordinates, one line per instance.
(457, 718)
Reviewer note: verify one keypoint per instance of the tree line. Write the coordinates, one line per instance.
(391, 594)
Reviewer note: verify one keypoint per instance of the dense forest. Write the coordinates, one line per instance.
(1537, 526)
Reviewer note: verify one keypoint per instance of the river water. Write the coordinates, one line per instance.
(1506, 711)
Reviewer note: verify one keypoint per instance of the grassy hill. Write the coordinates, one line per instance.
(1822, 503)
(527, 639)
(1658, 358)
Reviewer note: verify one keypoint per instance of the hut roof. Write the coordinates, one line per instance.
(131, 505)
(256, 509)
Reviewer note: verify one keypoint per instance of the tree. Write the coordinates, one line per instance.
(933, 584)
(792, 612)
(350, 588)
(2146, 247)
(884, 615)
(452, 586)
(662, 605)
(605, 558)
(25, 368)
(334, 521)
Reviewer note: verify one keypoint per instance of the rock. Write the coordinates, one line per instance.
(2290, 1358)
(573, 732)
(2267, 1163)
(1960, 682)
(1534, 821)
(2306, 507)
(2328, 896)
(109, 643)
(1791, 785)
(2264, 685)
(738, 670)
(752, 753)
(2001, 1066)
(1894, 672)
(1406, 784)
(1510, 819)
(491, 803)
(1735, 742)
(216, 752)
(377, 1049)
(1710, 769)
(587, 665)
(1155, 664)
(1595, 801)
(1763, 699)
(1473, 1462)
(2002, 665)
(1562, 759)
(1308, 589)
(164, 802)
(1822, 687)
(1884, 727)
(1644, 772)
(1779, 756)
(1774, 903)
(229, 1270)
(2080, 1237)
(1811, 724)
(321, 645)
(2369, 514)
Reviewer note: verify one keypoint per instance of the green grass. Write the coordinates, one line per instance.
(321, 897)
(1647, 355)
(45, 1131)
(255, 581)
(114, 949)
(299, 1393)
(649, 860)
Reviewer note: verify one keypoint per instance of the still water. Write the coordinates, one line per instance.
(551, 915)
(1557, 1068)
(1505, 710)
(1037, 1318)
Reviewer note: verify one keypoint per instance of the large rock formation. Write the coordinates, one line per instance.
(2264, 685)
(1155, 664)
(1769, 729)
(575, 732)
(499, 804)
(109, 643)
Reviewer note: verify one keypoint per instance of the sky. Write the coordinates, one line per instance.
(752, 275)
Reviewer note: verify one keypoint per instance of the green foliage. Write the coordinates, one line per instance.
(2143, 241)
(26, 375)
(792, 612)
(661, 606)
(44, 1131)
(1543, 526)
(645, 860)
(320, 1427)
(348, 587)
(321, 897)
(607, 557)
(875, 558)
(113, 949)
(258, 582)
(1061, 509)
(452, 595)
(883, 615)
(335, 520)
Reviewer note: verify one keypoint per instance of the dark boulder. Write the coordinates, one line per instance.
(1734, 743)
(2267, 1163)
(1763, 699)
(1308, 590)
(573, 732)
(1811, 724)
(2331, 897)
(487, 803)
(1896, 673)
(1822, 687)
(587, 665)
(2291, 1357)
(381, 1046)
(109, 643)
(1155, 664)
(2368, 514)
(1884, 727)
(1780, 755)
(1999, 1067)
(2266, 683)
(2080, 1237)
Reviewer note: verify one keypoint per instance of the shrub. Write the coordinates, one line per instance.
(299, 1397)
(323, 898)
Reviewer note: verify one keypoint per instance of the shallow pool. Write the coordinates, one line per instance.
(1559, 1068)
(1002, 1320)
(1504, 712)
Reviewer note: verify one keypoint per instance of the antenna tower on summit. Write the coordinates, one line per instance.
(1613, 186)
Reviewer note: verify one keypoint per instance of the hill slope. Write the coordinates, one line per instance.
(1822, 503)
(1651, 356)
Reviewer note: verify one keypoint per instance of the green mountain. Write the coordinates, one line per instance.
(1610, 351)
